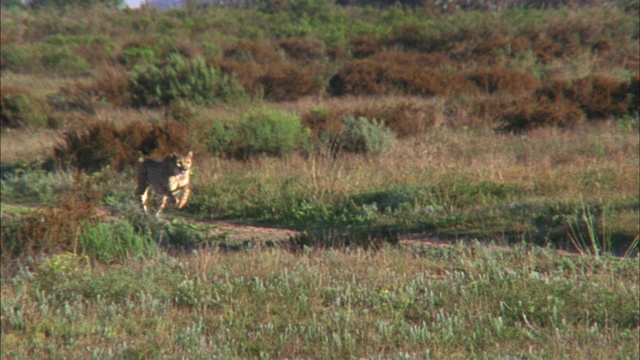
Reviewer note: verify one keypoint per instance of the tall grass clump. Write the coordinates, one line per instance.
(260, 131)
(109, 241)
(179, 78)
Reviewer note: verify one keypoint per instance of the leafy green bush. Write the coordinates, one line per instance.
(179, 78)
(19, 109)
(261, 131)
(362, 135)
(62, 60)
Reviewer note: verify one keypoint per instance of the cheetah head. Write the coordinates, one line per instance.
(181, 164)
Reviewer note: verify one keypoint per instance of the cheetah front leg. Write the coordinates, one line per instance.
(163, 199)
(185, 197)
(164, 196)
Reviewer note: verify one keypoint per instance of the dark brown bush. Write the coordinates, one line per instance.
(247, 73)
(600, 96)
(364, 77)
(113, 86)
(322, 122)
(251, 51)
(415, 59)
(530, 115)
(302, 50)
(363, 46)
(282, 82)
(103, 144)
(495, 80)
(404, 118)
(52, 230)
(519, 44)
(367, 77)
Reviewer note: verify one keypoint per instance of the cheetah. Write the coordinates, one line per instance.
(166, 178)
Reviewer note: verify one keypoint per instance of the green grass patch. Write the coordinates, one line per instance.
(471, 300)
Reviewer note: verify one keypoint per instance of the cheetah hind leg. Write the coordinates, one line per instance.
(142, 194)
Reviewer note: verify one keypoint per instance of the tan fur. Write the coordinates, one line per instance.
(166, 178)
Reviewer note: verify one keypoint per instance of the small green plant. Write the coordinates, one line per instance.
(361, 135)
(179, 78)
(61, 266)
(260, 131)
(114, 241)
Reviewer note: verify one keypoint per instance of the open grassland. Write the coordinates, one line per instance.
(421, 183)
(463, 301)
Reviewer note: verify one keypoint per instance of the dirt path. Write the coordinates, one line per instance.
(231, 231)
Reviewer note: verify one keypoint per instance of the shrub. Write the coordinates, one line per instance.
(282, 83)
(103, 144)
(405, 118)
(18, 109)
(323, 122)
(361, 135)
(53, 229)
(193, 81)
(302, 50)
(363, 46)
(600, 96)
(504, 80)
(260, 131)
(62, 60)
(533, 115)
(135, 53)
(251, 51)
(372, 77)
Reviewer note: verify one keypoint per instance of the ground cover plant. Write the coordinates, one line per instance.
(369, 181)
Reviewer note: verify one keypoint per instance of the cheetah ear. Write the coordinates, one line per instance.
(190, 154)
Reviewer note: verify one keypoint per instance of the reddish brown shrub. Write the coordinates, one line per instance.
(103, 144)
(251, 51)
(302, 50)
(519, 44)
(547, 49)
(283, 82)
(52, 230)
(415, 59)
(323, 122)
(404, 118)
(363, 46)
(495, 80)
(366, 77)
(247, 73)
(530, 115)
(600, 96)
(113, 86)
